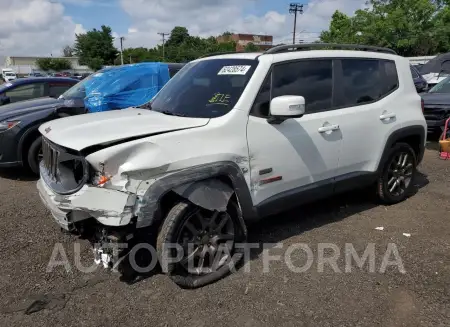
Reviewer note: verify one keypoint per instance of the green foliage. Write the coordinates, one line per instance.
(95, 46)
(95, 63)
(56, 64)
(251, 47)
(180, 47)
(410, 27)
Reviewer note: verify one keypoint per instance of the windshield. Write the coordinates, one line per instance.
(205, 89)
(441, 87)
(77, 91)
(10, 74)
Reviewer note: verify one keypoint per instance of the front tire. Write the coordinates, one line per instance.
(396, 180)
(34, 155)
(206, 241)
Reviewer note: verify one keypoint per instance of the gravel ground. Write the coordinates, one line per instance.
(418, 297)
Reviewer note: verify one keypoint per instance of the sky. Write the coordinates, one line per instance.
(44, 27)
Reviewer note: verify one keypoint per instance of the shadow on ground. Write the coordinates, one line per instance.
(17, 173)
(294, 222)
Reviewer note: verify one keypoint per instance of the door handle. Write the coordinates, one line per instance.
(387, 116)
(328, 128)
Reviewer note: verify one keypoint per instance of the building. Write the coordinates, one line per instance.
(264, 42)
(27, 65)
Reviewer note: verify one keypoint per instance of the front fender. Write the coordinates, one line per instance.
(186, 182)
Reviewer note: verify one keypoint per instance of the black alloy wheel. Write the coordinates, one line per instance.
(203, 241)
(396, 179)
(207, 239)
(400, 173)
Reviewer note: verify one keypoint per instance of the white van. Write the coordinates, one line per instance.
(8, 74)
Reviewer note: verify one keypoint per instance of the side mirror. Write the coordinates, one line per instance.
(285, 107)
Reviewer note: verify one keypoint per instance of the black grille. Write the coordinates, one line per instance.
(50, 159)
(436, 112)
(64, 172)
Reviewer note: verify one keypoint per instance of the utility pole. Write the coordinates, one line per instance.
(295, 8)
(121, 49)
(163, 41)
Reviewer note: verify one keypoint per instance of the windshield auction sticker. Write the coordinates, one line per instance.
(234, 70)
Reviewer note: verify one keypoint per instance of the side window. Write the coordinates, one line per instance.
(311, 79)
(261, 106)
(55, 90)
(172, 72)
(26, 92)
(413, 72)
(390, 78)
(361, 82)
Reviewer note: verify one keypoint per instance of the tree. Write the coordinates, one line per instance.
(95, 63)
(251, 47)
(56, 64)
(67, 51)
(44, 64)
(410, 27)
(95, 46)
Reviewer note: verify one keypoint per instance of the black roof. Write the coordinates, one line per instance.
(32, 80)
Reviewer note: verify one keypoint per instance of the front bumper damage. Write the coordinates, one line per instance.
(103, 216)
(108, 207)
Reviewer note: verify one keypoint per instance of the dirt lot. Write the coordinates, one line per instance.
(280, 297)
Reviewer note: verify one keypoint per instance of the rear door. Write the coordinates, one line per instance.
(26, 92)
(368, 113)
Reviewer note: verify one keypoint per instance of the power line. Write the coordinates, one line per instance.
(295, 8)
(163, 41)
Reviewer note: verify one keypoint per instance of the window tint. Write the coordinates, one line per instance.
(366, 80)
(310, 79)
(26, 92)
(172, 72)
(261, 106)
(55, 90)
(413, 72)
(389, 76)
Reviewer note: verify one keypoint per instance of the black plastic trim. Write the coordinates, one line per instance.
(150, 202)
(402, 133)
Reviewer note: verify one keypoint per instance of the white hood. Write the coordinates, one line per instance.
(82, 131)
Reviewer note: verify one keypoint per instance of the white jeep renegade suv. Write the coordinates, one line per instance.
(230, 139)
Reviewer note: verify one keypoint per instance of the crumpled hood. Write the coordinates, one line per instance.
(15, 109)
(82, 131)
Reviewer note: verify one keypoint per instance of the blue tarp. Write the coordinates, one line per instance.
(125, 86)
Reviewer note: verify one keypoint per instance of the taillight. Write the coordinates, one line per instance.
(422, 104)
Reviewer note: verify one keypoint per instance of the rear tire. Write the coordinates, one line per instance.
(397, 178)
(33, 155)
(183, 227)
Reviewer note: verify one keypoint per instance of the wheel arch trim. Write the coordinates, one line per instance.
(195, 179)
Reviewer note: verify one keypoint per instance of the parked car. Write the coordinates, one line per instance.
(437, 106)
(20, 142)
(231, 139)
(436, 70)
(420, 83)
(30, 88)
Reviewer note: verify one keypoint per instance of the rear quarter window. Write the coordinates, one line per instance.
(366, 81)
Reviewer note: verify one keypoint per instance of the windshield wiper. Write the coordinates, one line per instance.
(170, 113)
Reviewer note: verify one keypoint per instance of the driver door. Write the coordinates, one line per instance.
(294, 161)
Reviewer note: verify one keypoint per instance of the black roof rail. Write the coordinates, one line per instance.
(222, 53)
(334, 46)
